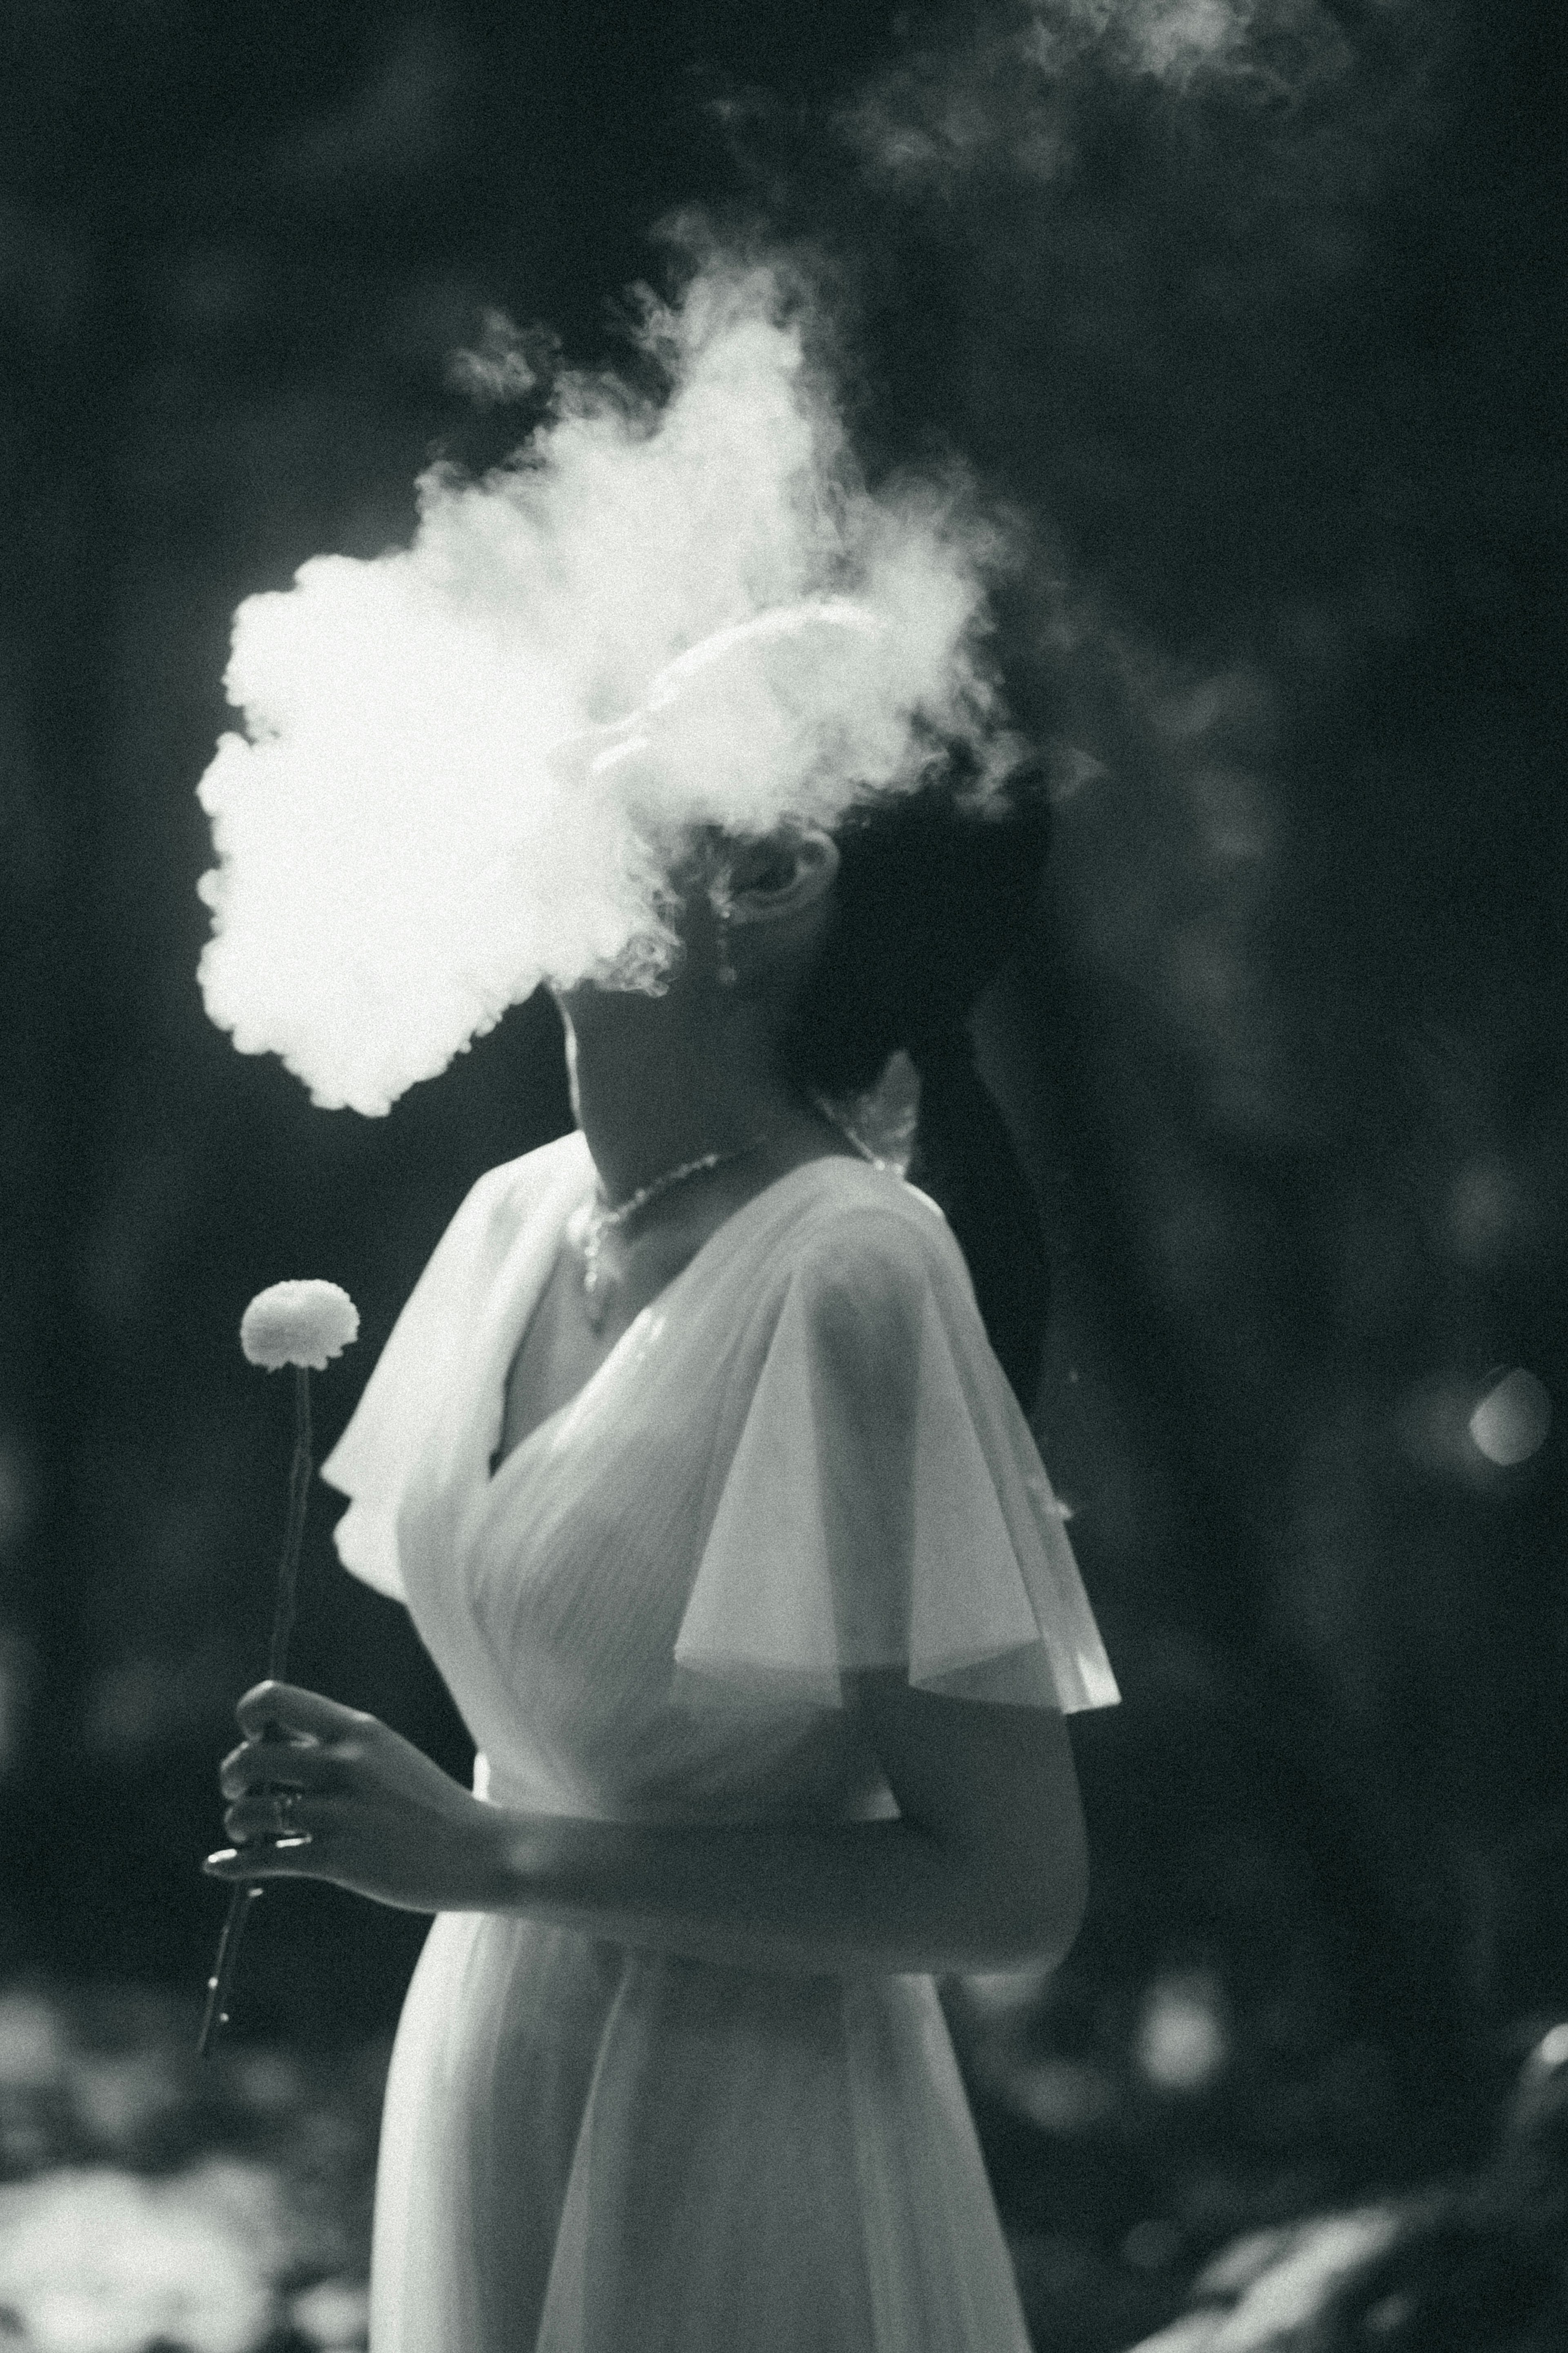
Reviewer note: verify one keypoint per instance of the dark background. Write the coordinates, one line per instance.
(1253, 320)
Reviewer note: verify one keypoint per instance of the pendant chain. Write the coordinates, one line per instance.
(602, 1220)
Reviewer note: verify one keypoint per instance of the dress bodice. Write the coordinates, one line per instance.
(645, 1610)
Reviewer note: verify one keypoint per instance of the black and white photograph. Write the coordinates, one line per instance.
(784, 1164)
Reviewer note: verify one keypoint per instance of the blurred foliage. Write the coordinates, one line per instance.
(148, 2196)
(1251, 318)
(1154, 2179)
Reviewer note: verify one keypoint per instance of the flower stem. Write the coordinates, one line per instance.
(216, 2014)
(222, 1979)
(299, 1497)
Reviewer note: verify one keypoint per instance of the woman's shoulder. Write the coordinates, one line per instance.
(532, 1171)
(841, 1188)
(857, 1225)
(501, 1201)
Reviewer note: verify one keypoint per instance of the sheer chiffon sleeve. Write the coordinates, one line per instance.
(884, 1503)
(405, 1393)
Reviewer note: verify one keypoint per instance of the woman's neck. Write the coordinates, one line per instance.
(653, 1089)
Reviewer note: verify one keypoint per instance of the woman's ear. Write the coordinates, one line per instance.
(779, 880)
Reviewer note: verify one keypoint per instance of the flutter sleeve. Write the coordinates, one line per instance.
(884, 1503)
(404, 1394)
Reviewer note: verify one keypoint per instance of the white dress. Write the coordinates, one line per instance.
(801, 1457)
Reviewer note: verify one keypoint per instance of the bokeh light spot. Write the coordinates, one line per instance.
(1551, 2050)
(334, 2315)
(1181, 2043)
(1511, 1420)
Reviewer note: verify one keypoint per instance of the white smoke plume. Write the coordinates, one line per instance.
(467, 763)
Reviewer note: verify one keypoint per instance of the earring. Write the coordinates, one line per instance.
(725, 972)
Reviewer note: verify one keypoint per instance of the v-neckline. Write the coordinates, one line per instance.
(495, 1471)
(518, 1315)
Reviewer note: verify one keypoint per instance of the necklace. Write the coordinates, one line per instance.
(599, 1220)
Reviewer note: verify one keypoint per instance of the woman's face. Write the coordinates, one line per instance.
(757, 908)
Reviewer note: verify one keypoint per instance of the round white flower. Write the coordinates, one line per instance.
(298, 1324)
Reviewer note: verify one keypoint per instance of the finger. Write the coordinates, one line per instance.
(262, 1820)
(298, 1860)
(297, 1710)
(274, 1740)
(241, 1777)
(263, 1765)
(253, 1819)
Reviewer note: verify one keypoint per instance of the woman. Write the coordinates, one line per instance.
(727, 1532)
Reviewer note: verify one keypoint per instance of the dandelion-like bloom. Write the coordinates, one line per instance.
(298, 1324)
(302, 1324)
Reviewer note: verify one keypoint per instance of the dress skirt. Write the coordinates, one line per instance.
(589, 2149)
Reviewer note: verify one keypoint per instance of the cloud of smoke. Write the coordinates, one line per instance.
(468, 763)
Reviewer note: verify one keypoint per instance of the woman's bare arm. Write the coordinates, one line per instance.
(983, 1870)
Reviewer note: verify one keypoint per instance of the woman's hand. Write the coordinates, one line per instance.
(351, 1800)
(981, 1869)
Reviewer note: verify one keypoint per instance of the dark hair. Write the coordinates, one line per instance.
(933, 895)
